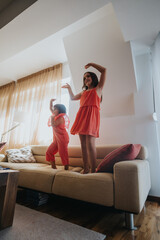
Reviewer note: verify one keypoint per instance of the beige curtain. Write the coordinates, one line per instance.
(6, 109)
(31, 99)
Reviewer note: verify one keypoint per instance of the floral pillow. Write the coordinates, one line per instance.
(22, 155)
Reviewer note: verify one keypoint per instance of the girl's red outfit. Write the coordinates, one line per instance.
(87, 120)
(60, 141)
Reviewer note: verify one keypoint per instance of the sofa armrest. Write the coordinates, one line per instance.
(132, 185)
(2, 158)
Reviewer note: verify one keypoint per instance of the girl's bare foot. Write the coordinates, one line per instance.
(66, 167)
(53, 165)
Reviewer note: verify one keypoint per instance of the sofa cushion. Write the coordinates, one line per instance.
(125, 152)
(40, 179)
(22, 155)
(92, 187)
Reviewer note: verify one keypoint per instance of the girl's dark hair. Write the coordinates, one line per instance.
(60, 107)
(94, 80)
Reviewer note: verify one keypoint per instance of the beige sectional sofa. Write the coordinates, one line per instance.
(126, 189)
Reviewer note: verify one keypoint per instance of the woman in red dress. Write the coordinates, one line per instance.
(59, 122)
(87, 120)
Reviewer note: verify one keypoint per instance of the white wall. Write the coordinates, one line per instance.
(102, 42)
(156, 75)
(146, 127)
(139, 20)
(40, 21)
(156, 84)
(126, 111)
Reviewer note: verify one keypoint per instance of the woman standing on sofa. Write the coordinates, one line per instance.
(87, 120)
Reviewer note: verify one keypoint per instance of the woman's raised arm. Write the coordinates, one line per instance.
(102, 70)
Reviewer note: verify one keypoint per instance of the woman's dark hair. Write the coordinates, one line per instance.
(60, 107)
(94, 80)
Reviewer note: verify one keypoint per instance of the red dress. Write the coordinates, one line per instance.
(60, 141)
(87, 120)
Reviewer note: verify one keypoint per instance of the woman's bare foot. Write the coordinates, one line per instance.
(66, 167)
(53, 165)
(85, 171)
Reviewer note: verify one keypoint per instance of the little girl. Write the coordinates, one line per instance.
(87, 121)
(59, 122)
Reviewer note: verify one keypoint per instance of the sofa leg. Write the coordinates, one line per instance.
(129, 221)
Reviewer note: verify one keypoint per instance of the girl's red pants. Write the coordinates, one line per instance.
(58, 147)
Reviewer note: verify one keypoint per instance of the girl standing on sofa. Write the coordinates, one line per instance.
(87, 120)
(59, 122)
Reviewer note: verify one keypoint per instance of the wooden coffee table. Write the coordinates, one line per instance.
(8, 193)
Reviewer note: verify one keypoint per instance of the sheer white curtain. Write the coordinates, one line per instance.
(6, 108)
(31, 98)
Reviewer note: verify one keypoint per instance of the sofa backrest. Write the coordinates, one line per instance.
(75, 154)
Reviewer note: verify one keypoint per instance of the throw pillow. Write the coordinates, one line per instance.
(125, 152)
(2, 144)
(22, 155)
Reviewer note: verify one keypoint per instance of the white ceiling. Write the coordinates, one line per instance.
(34, 40)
